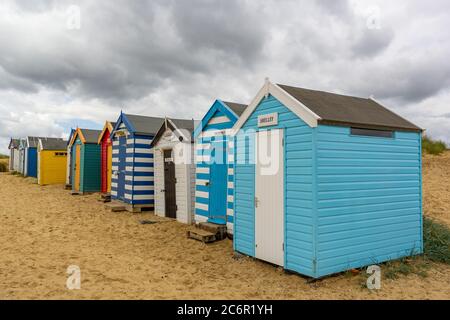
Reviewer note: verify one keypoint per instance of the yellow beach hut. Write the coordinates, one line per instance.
(52, 161)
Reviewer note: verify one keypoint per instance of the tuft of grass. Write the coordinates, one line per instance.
(436, 243)
(436, 240)
(433, 147)
(3, 167)
(2, 156)
(411, 265)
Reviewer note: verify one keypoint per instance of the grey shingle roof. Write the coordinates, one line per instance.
(237, 108)
(145, 125)
(32, 142)
(14, 144)
(91, 136)
(22, 143)
(184, 124)
(346, 110)
(180, 124)
(53, 144)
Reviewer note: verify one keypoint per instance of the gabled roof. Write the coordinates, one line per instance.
(109, 126)
(188, 125)
(86, 136)
(90, 136)
(57, 144)
(14, 143)
(231, 109)
(32, 142)
(319, 107)
(347, 110)
(72, 132)
(179, 126)
(141, 125)
(22, 143)
(237, 108)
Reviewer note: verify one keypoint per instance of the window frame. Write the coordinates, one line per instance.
(365, 133)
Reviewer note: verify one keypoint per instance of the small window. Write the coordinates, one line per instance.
(372, 133)
(60, 154)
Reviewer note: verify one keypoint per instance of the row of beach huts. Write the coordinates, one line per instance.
(311, 181)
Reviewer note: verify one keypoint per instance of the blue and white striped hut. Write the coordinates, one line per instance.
(132, 168)
(214, 171)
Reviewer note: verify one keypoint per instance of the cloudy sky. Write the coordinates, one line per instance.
(68, 63)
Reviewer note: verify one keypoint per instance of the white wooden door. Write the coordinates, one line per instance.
(269, 197)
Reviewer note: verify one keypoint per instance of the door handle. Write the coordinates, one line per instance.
(256, 202)
(162, 190)
(207, 184)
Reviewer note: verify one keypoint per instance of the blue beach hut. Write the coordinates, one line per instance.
(214, 171)
(132, 164)
(30, 161)
(342, 188)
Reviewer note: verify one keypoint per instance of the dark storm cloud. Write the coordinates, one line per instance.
(126, 50)
(404, 78)
(129, 49)
(370, 43)
(225, 26)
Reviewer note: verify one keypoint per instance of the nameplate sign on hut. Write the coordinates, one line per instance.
(219, 133)
(268, 120)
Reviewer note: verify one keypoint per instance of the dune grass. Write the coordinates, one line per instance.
(3, 166)
(431, 146)
(436, 241)
(4, 163)
(436, 238)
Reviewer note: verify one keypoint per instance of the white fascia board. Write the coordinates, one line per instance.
(179, 131)
(302, 111)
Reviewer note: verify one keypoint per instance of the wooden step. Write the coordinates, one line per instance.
(115, 206)
(104, 197)
(219, 230)
(139, 208)
(201, 235)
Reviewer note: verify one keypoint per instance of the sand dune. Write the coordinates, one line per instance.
(43, 230)
(436, 187)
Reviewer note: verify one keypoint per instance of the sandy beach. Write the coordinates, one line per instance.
(43, 230)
